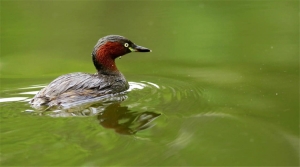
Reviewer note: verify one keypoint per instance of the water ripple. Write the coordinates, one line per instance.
(142, 95)
(127, 112)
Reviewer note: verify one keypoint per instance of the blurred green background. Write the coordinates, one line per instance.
(241, 59)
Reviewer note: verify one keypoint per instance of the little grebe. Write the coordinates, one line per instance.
(82, 86)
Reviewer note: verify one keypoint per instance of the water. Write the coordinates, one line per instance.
(221, 87)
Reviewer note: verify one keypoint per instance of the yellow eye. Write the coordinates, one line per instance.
(126, 45)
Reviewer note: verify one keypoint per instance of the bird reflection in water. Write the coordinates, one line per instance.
(125, 121)
(110, 115)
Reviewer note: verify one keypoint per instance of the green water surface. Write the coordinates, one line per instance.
(222, 82)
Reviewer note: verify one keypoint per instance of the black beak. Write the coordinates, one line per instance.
(137, 48)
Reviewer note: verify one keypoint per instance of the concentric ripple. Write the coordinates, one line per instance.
(127, 112)
(142, 95)
(164, 94)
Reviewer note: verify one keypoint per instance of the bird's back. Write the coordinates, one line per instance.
(75, 87)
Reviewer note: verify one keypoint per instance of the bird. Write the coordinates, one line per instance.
(108, 80)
